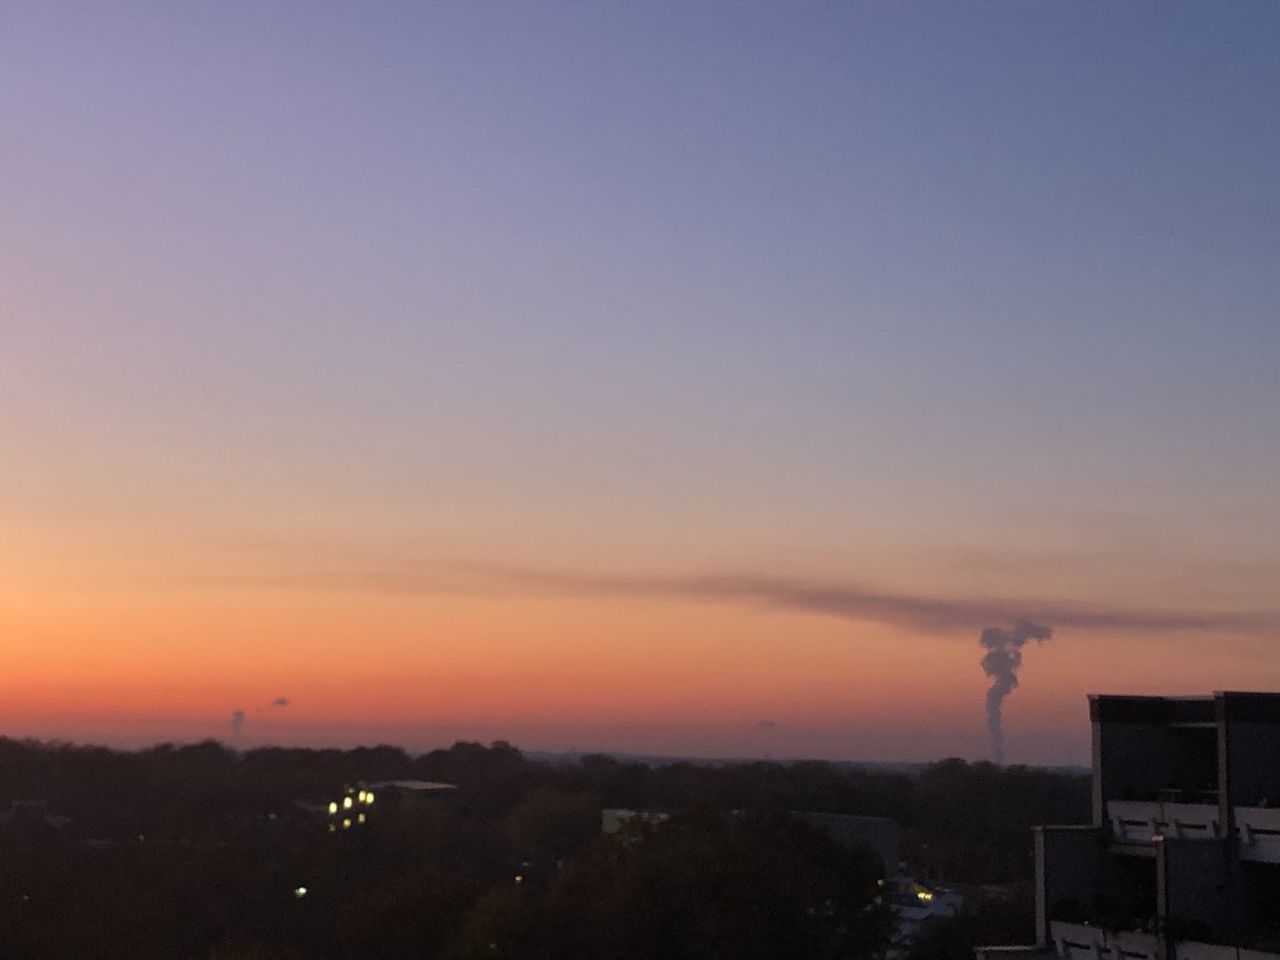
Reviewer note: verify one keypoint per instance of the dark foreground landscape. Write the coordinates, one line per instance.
(204, 852)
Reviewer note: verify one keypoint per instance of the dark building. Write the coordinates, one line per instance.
(1182, 859)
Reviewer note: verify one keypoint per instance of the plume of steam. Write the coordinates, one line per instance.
(1000, 663)
(237, 725)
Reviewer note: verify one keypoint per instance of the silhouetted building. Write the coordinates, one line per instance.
(613, 819)
(355, 806)
(914, 905)
(1182, 860)
(408, 794)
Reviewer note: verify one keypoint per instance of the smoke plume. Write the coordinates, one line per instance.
(237, 725)
(1000, 663)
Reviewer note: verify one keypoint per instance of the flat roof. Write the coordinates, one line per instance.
(1249, 707)
(419, 785)
(1156, 711)
(1252, 706)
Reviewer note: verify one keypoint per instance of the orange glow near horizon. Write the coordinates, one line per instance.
(625, 673)
(585, 377)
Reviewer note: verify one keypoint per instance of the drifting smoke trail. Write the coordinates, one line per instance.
(1000, 663)
(237, 726)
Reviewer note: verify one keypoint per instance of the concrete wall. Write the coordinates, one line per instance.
(1259, 920)
(1070, 865)
(1194, 886)
(1249, 745)
(1144, 745)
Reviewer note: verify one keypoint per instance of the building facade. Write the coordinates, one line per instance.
(1182, 858)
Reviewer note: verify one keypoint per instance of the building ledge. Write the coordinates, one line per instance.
(1027, 952)
(1081, 941)
(1140, 821)
(1136, 823)
(1211, 951)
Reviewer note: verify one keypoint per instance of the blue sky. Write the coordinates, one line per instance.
(945, 298)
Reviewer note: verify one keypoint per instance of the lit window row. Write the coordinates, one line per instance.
(353, 799)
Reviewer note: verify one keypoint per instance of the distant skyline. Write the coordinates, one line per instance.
(683, 378)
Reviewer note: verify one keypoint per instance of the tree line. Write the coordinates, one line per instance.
(203, 852)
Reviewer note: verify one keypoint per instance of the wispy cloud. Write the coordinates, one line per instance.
(908, 610)
(851, 601)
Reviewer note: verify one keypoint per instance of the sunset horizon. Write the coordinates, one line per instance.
(865, 382)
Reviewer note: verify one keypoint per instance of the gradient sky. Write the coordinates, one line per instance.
(621, 376)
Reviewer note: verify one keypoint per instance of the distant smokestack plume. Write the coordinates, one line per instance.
(1000, 663)
(237, 726)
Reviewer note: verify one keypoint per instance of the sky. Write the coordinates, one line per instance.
(675, 378)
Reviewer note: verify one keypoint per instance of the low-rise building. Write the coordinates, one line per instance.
(914, 905)
(355, 804)
(613, 819)
(409, 793)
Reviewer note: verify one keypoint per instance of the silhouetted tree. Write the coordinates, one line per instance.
(695, 888)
